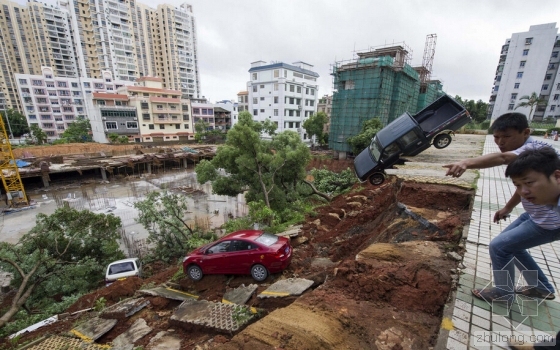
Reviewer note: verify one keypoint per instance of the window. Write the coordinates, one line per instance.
(262, 98)
(285, 73)
(62, 84)
(144, 105)
(555, 54)
(131, 125)
(255, 112)
(545, 87)
(23, 81)
(558, 86)
(496, 87)
(552, 107)
(177, 126)
(510, 107)
(525, 52)
(151, 126)
(186, 126)
(86, 84)
(254, 88)
(262, 86)
(520, 74)
(551, 66)
(516, 86)
(528, 41)
(196, 110)
(312, 91)
(146, 116)
(111, 125)
(275, 99)
(254, 76)
(299, 89)
(262, 110)
(162, 126)
(255, 100)
(74, 85)
(513, 96)
(522, 63)
(556, 96)
(548, 77)
(276, 113)
(275, 86)
(276, 73)
(292, 88)
(37, 82)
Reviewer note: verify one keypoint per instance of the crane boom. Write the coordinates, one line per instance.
(9, 171)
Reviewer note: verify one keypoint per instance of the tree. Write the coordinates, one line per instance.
(269, 170)
(78, 132)
(163, 214)
(113, 137)
(532, 101)
(315, 125)
(478, 110)
(37, 134)
(201, 130)
(363, 139)
(65, 253)
(17, 125)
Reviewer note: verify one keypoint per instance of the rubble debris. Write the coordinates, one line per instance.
(239, 295)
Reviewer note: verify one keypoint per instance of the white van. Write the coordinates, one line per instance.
(122, 269)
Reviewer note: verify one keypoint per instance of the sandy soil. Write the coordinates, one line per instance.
(381, 278)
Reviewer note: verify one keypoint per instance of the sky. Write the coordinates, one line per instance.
(470, 33)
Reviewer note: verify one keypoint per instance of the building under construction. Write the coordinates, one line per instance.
(379, 83)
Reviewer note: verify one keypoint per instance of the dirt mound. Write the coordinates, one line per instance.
(335, 165)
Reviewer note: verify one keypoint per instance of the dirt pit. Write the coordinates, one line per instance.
(378, 258)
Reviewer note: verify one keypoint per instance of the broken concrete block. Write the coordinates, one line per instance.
(93, 329)
(124, 309)
(127, 339)
(454, 256)
(239, 295)
(217, 316)
(169, 293)
(165, 341)
(287, 287)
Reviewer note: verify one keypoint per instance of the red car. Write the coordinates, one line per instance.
(242, 252)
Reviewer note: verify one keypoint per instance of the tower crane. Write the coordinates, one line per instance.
(9, 170)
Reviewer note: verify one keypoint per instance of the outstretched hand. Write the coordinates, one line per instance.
(455, 169)
(501, 214)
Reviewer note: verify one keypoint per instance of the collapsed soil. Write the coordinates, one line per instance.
(381, 278)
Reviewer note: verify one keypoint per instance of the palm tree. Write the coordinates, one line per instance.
(532, 101)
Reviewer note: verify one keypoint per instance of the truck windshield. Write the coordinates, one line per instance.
(375, 149)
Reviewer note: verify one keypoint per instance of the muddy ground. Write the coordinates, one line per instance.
(381, 277)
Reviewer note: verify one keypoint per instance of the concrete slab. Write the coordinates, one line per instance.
(124, 309)
(291, 232)
(287, 287)
(239, 295)
(93, 329)
(322, 262)
(60, 342)
(216, 316)
(164, 341)
(168, 293)
(126, 340)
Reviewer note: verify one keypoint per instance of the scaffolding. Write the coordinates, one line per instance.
(11, 179)
(378, 83)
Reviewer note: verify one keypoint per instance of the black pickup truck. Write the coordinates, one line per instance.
(409, 135)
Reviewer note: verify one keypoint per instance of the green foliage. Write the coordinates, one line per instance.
(99, 304)
(241, 223)
(65, 253)
(315, 125)
(260, 213)
(268, 170)
(16, 124)
(362, 140)
(163, 214)
(333, 183)
(77, 132)
(48, 308)
(123, 139)
(38, 136)
(538, 132)
(113, 137)
(478, 110)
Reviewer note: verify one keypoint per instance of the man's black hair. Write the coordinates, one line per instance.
(516, 121)
(544, 160)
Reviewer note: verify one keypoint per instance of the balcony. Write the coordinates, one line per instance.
(167, 119)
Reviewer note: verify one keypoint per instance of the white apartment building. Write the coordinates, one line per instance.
(285, 94)
(528, 63)
(55, 102)
(83, 38)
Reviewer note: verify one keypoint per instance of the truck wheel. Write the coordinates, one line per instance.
(442, 141)
(376, 179)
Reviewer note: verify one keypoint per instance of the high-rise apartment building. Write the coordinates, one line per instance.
(285, 94)
(528, 64)
(83, 38)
